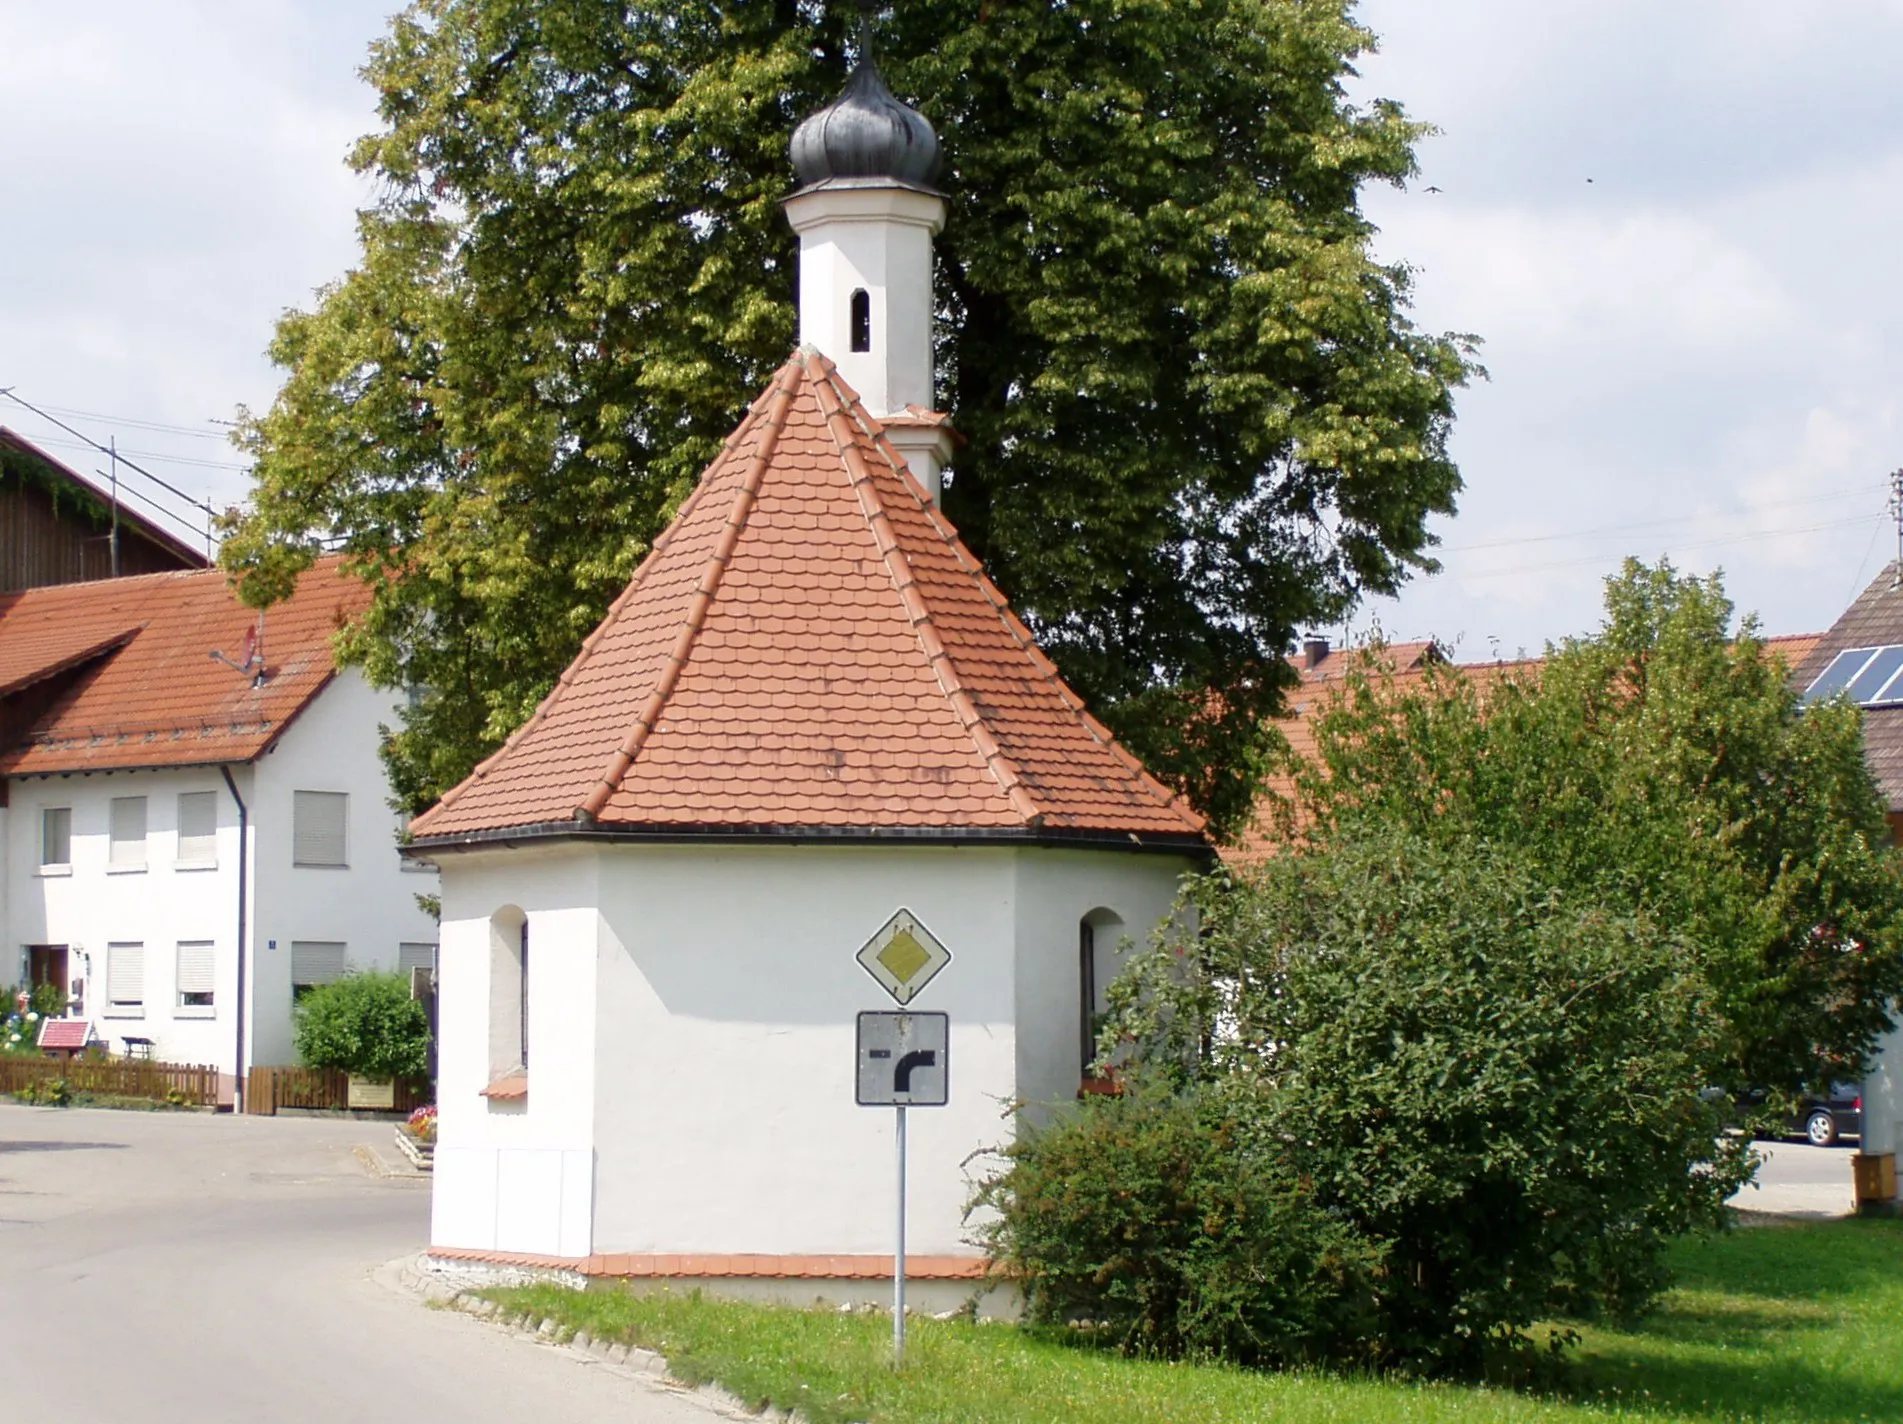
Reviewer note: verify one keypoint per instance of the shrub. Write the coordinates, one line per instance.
(47, 1092)
(364, 1023)
(1151, 1218)
(1497, 1085)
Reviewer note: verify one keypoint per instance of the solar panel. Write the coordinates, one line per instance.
(1870, 677)
(1866, 685)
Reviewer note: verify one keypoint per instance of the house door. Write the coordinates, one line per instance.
(46, 964)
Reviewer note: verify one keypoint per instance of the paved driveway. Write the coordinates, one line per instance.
(181, 1267)
(1800, 1180)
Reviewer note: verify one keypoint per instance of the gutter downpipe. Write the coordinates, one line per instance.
(244, 846)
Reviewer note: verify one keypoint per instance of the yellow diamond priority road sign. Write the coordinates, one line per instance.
(904, 957)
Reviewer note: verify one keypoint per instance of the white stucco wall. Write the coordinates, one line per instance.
(371, 905)
(95, 904)
(1883, 1097)
(1058, 888)
(518, 1175)
(724, 995)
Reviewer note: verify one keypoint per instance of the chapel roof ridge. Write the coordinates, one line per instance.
(810, 646)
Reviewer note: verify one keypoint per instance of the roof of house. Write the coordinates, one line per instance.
(58, 472)
(1406, 666)
(1874, 620)
(809, 648)
(123, 674)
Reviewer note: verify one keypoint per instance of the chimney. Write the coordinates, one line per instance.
(1314, 652)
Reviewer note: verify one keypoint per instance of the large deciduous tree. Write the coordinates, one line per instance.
(1198, 416)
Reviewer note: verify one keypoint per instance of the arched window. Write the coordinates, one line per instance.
(1098, 935)
(508, 992)
(861, 320)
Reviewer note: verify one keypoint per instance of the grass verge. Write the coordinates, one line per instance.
(1777, 1323)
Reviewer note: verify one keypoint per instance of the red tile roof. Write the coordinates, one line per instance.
(1406, 666)
(142, 688)
(810, 646)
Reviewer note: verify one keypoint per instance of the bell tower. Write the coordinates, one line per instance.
(866, 213)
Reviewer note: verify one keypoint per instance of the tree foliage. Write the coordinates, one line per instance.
(1663, 767)
(1198, 415)
(365, 1023)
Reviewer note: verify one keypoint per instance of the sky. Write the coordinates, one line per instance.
(1673, 224)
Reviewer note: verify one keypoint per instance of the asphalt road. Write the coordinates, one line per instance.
(163, 1268)
(1800, 1180)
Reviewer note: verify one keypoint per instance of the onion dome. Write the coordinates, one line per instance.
(864, 134)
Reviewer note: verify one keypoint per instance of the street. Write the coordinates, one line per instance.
(172, 1267)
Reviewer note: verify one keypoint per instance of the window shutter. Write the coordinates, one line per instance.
(194, 971)
(128, 830)
(125, 974)
(316, 961)
(317, 827)
(411, 956)
(56, 835)
(198, 825)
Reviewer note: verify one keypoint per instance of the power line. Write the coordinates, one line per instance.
(133, 422)
(158, 455)
(119, 459)
(1854, 521)
(1608, 530)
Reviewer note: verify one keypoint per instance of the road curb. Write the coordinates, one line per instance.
(453, 1289)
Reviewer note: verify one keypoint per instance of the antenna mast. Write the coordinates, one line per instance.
(1896, 512)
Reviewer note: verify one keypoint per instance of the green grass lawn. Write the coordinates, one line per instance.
(1787, 1322)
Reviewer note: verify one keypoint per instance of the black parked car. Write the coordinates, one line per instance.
(1822, 1120)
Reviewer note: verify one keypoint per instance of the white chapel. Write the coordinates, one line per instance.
(809, 713)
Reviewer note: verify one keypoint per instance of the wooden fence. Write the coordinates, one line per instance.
(116, 1077)
(268, 1089)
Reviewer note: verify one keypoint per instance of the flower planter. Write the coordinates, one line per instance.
(371, 1094)
(422, 1155)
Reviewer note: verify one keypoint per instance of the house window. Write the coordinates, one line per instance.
(195, 989)
(197, 827)
(1087, 992)
(56, 838)
(127, 833)
(508, 993)
(318, 819)
(125, 980)
(861, 314)
(314, 962)
(414, 955)
(1098, 935)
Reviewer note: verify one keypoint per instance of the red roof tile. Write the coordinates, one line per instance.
(809, 645)
(143, 689)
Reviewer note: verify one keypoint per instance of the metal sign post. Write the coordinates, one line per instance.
(898, 1256)
(903, 1060)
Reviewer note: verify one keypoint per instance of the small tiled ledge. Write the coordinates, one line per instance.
(510, 1087)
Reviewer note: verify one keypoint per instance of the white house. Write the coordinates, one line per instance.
(808, 712)
(187, 838)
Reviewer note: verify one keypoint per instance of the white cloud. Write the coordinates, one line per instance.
(1694, 354)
